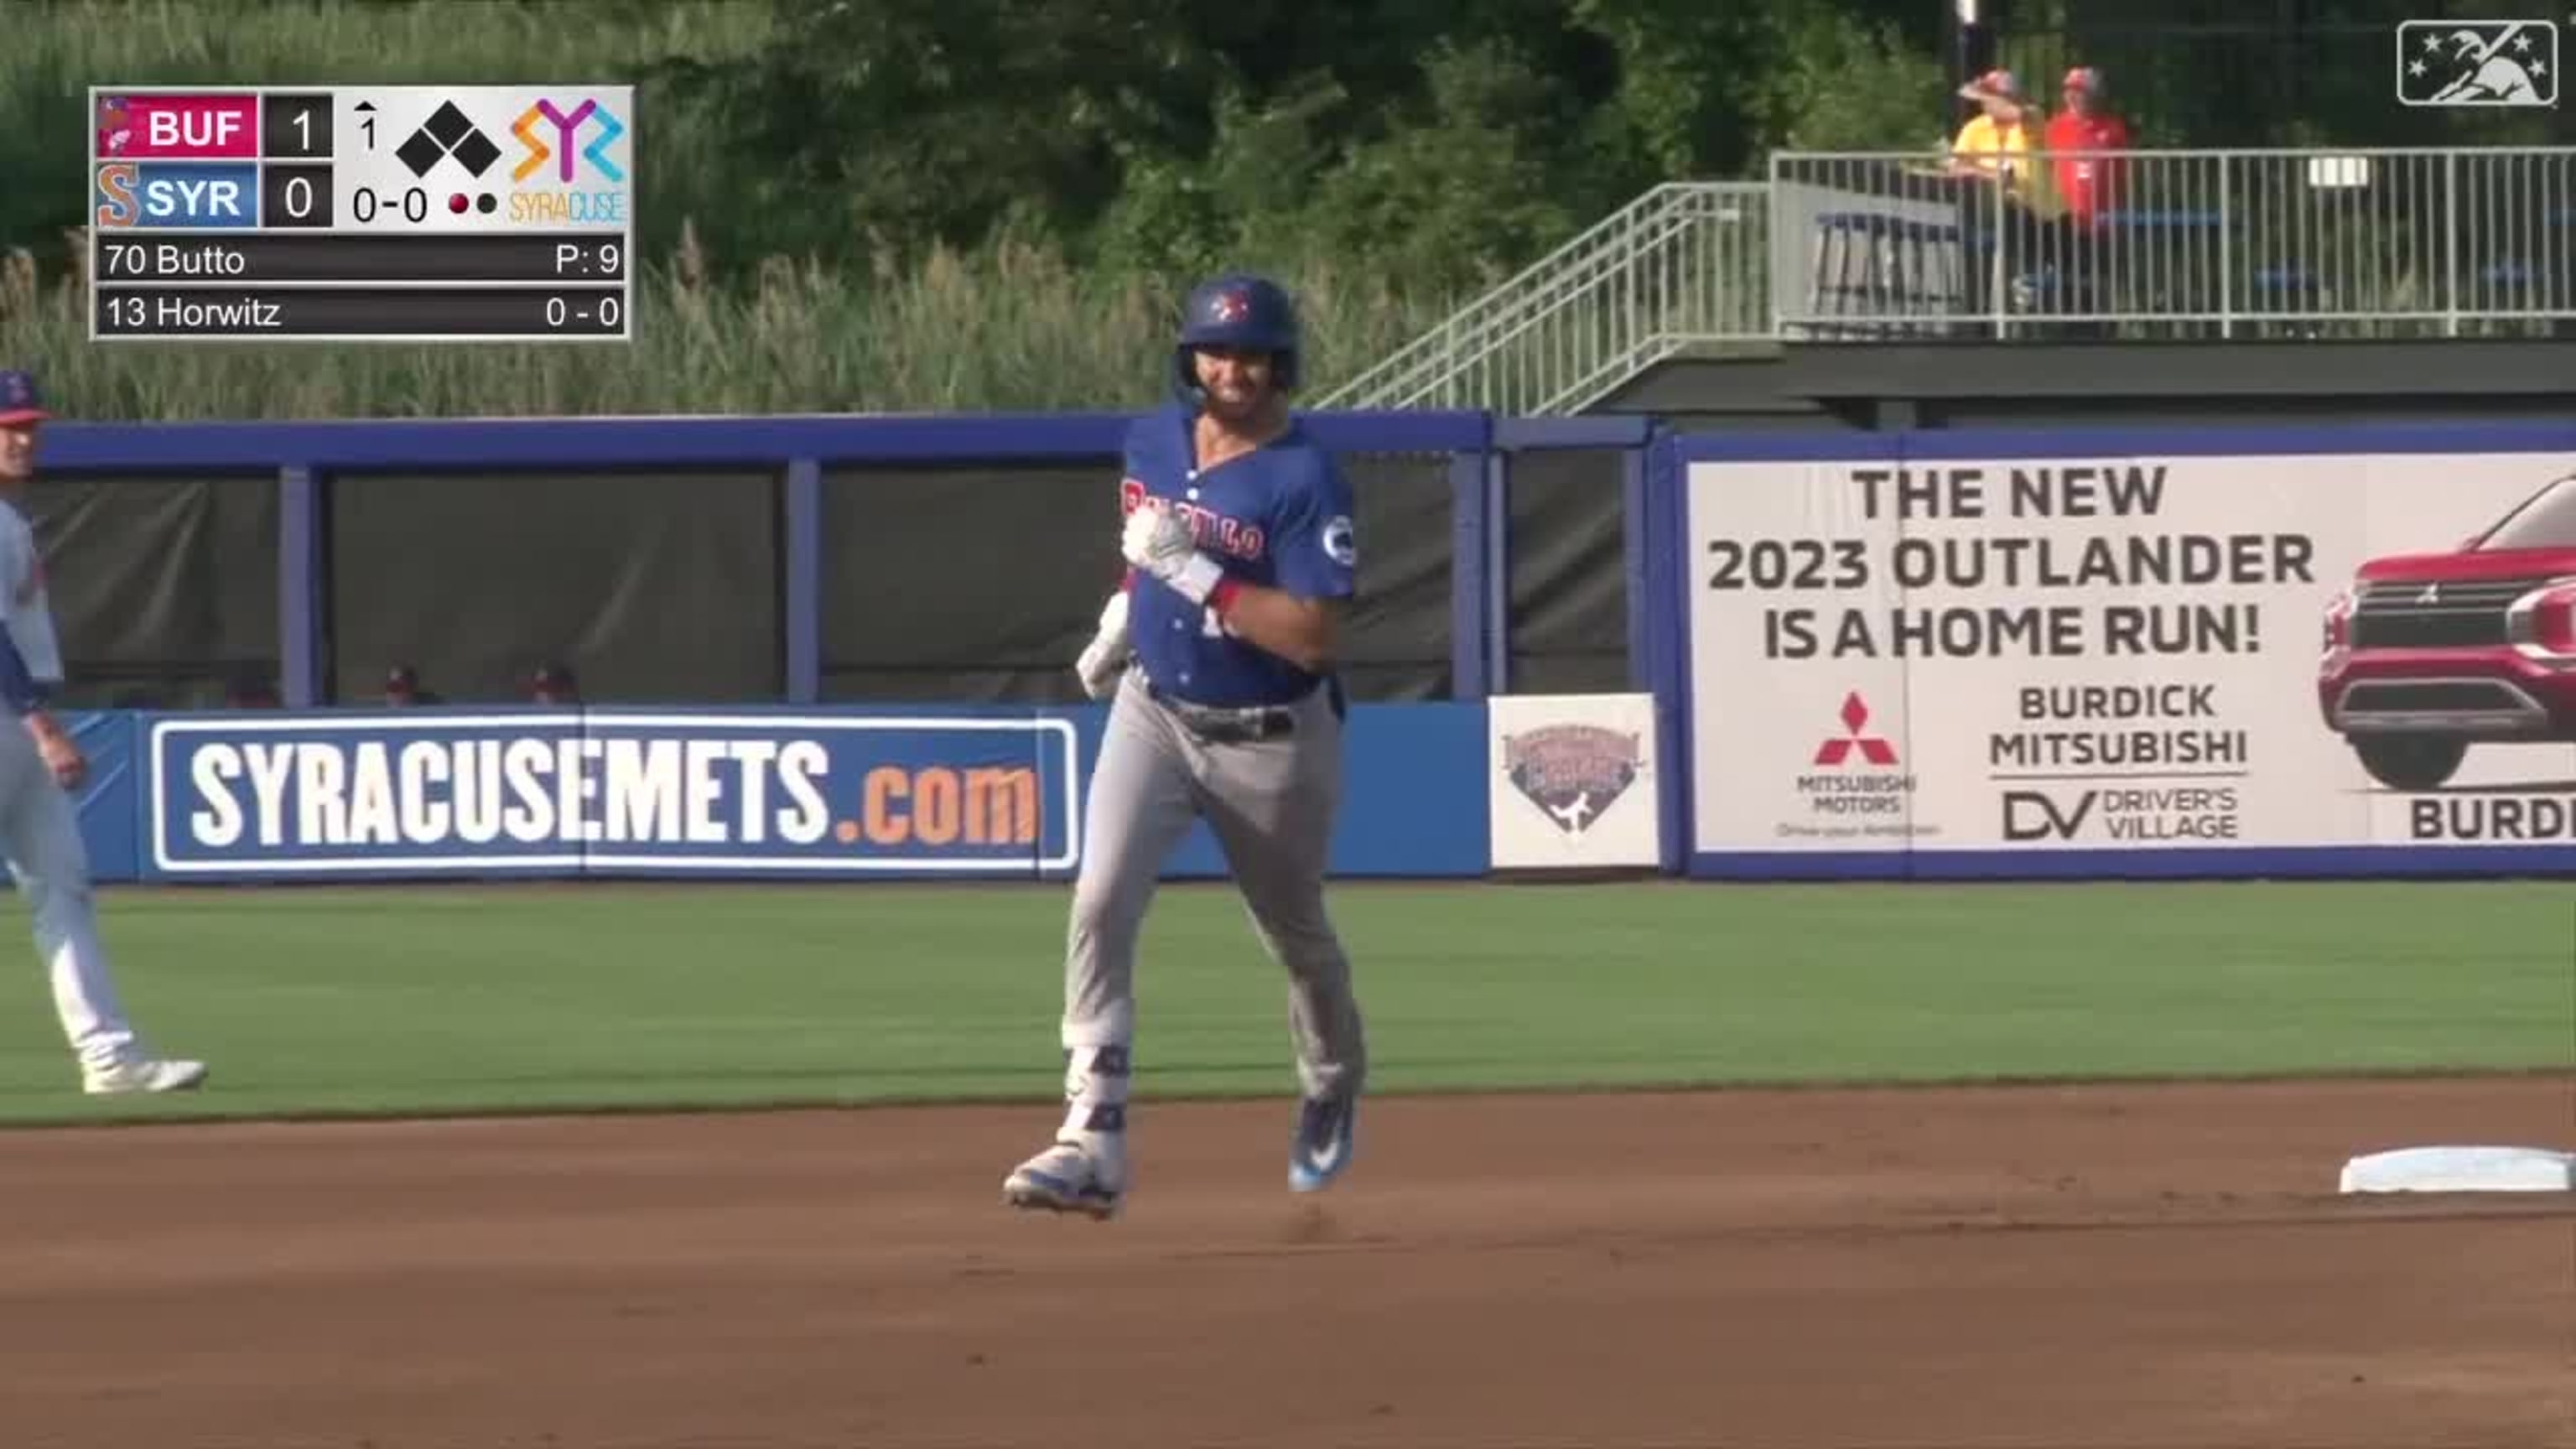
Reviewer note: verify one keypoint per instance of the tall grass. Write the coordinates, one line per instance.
(1008, 327)
(721, 324)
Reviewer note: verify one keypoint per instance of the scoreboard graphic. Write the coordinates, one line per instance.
(363, 214)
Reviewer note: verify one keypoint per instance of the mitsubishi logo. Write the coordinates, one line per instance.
(2432, 594)
(1855, 717)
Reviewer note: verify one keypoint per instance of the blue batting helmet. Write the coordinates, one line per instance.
(1238, 309)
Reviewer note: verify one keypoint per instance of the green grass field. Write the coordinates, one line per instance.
(446, 999)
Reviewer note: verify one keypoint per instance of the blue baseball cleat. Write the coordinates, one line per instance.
(1326, 1137)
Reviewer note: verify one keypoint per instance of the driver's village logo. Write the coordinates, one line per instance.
(1572, 772)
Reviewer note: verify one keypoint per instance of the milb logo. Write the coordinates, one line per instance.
(2448, 63)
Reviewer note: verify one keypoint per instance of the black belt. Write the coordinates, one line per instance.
(1226, 726)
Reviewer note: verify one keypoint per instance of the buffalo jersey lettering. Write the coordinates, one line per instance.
(1278, 516)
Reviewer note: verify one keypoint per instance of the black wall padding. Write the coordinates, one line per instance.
(980, 585)
(162, 588)
(964, 585)
(1567, 573)
(655, 587)
(1396, 643)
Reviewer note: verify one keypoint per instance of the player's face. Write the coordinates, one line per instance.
(1238, 381)
(17, 452)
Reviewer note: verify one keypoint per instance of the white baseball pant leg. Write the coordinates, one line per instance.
(49, 862)
(1140, 806)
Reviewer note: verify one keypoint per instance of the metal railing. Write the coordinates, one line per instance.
(1683, 265)
(2252, 243)
(1836, 246)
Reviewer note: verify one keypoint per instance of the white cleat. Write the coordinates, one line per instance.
(142, 1074)
(1066, 1179)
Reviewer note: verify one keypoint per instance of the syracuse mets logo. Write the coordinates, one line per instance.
(1573, 772)
(567, 130)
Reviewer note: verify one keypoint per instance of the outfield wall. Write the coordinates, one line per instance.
(1915, 654)
(747, 561)
(1432, 791)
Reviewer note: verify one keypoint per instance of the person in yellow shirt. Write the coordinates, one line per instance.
(1992, 148)
(1995, 143)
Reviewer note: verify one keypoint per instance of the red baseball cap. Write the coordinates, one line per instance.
(19, 400)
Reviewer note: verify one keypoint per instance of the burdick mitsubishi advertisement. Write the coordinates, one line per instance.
(2133, 653)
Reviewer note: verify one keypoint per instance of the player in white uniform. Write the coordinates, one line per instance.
(39, 765)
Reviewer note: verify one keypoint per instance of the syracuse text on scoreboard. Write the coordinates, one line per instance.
(363, 214)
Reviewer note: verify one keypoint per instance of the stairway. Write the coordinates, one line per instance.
(1684, 266)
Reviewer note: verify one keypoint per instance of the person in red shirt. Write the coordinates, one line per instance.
(2089, 184)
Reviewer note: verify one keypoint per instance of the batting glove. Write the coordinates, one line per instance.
(1158, 541)
(1105, 657)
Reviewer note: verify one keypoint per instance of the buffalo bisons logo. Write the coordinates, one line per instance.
(1574, 772)
(115, 126)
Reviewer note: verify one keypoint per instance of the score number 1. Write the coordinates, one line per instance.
(363, 202)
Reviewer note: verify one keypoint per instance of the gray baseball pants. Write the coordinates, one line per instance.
(1271, 804)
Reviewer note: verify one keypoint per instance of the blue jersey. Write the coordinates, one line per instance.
(1278, 516)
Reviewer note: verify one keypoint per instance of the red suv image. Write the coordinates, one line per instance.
(2429, 653)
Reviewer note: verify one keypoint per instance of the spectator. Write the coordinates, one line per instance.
(2089, 186)
(1992, 151)
(250, 689)
(1994, 145)
(554, 684)
(403, 688)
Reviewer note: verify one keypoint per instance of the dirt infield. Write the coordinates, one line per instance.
(2072, 1267)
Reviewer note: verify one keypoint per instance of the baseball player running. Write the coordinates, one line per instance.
(1217, 654)
(39, 764)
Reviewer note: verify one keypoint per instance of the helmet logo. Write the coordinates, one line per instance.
(1231, 306)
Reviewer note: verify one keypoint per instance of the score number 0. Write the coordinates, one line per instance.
(610, 310)
(363, 203)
